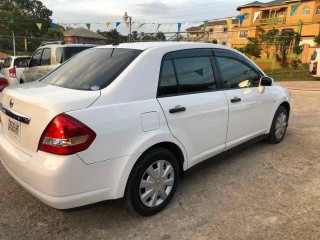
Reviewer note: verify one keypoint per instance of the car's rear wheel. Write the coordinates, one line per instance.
(152, 182)
(279, 125)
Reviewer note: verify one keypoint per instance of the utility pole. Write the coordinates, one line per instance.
(14, 43)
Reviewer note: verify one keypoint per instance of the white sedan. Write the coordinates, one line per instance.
(125, 121)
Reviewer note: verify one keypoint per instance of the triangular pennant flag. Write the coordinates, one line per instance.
(88, 25)
(256, 15)
(229, 22)
(53, 26)
(159, 24)
(187, 23)
(127, 24)
(241, 18)
(141, 25)
(117, 24)
(108, 24)
(294, 8)
(11, 21)
(179, 27)
(39, 25)
(170, 26)
(205, 24)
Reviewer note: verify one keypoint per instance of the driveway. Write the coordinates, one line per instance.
(262, 192)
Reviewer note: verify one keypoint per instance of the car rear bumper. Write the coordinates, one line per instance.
(62, 181)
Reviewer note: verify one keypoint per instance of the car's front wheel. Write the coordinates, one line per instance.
(152, 182)
(279, 125)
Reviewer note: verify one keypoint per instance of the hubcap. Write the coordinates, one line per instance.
(156, 183)
(281, 125)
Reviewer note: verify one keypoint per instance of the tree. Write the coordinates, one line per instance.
(113, 36)
(25, 15)
(253, 48)
(267, 40)
(285, 43)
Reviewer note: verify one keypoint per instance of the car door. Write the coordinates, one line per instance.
(30, 72)
(44, 64)
(195, 108)
(249, 106)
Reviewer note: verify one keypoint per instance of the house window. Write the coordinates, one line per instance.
(211, 30)
(318, 10)
(225, 29)
(243, 34)
(224, 43)
(287, 30)
(306, 11)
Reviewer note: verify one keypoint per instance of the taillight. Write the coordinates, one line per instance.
(3, 83)
(66, 135)
(12, 73)
(315, 66)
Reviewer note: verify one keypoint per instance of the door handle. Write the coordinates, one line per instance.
(177, 109)
(235, 99)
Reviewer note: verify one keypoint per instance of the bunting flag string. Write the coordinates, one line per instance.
(241, 18)
(88, 25)
(108, 24)
(179, 27)
(39, 25)
(117, 24)
(294, 8)
(170, 26)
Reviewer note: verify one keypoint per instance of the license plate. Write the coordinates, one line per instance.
(14, 128)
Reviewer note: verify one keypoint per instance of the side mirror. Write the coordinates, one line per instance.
(266, 81)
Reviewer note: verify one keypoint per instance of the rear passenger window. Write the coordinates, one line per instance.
(187, 71)
(46, 57)
(195, 74)
(236, 74)
(168, 81)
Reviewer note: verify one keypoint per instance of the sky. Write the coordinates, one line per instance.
(98, 12)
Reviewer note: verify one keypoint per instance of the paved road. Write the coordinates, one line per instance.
(263, 192)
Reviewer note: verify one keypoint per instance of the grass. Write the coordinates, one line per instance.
(290, 74)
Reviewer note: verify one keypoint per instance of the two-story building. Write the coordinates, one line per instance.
(301, 16)
(216, 30)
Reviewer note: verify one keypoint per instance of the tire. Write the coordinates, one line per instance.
(279, 126)
(158, 192)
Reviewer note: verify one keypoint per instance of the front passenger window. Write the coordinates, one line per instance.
(236, 74)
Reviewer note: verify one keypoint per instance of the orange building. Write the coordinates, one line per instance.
(299, 16)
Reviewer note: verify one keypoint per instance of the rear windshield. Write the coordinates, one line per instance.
(314, 56)
(21, 62)
(92, 69)
(64, 53)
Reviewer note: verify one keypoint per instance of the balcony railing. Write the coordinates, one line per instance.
(272, 21)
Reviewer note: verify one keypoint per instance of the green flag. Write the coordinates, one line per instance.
(205, 24)
(294, 8)
(11, 21)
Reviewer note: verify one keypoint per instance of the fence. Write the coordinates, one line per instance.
(22, 45)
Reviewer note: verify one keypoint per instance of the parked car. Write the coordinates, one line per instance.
(13, 68)
(314, 65)
(126, 121)
(48, 57)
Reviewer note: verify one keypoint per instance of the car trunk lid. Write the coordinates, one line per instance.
(27, 109)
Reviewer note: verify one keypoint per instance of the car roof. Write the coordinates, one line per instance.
(67, 45)
(14, 57)
(148, 45)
